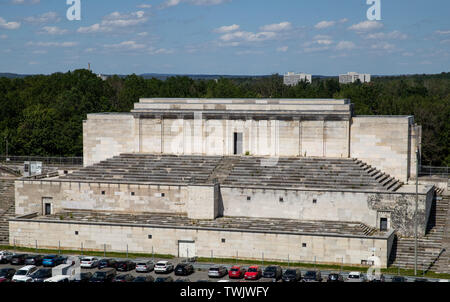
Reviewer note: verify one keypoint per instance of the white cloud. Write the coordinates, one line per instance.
(53, 30)
(8, 25)
(249, 52)
(26, 1)
(49, 17)
(52, 44)
(144, 6)
(383, 46)
(443, 32)
(115, 20)
(3, 37)
(247, 36)
(225, 29)
(282, 49)
(40, 52)
(394, 35)
(125, 45)
(158, 51)
(366, 26)
(172, 3)
(324, 24)
(142, 34)
(345, 45)
(277, 27)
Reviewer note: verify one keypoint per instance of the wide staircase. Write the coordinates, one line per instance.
(310, 172)
(431, 254)
(7, 208)
(149, 168)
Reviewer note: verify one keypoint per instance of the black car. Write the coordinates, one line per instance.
(398, 279)
(18, 259)
(84, 277)
(104, 275)
(125, 266)
(420, 280)
(312, 276)
(144, 279)
(291, 275)
(183, 280)
(124, 278)
(6, 274)
(41, 274)
(164, 279)
(184, 269)
(34, 260)
(335, 277)
(273, 272)
(107, 263)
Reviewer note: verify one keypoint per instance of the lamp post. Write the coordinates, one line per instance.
(415, 212)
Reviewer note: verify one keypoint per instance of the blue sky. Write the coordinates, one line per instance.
(325, 37)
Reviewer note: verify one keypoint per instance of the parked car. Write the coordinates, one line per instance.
(398, 279)
(144, 266)
(18, 259)
(89, 262)
(377, 278)
(144, 279)
(420, 280)
(217, 271)
(52, 260)
(125, 266)
(104, 275)
(184, 269)
(5, 256)
(163, 267)
(41, 274)
(23, 274)
(356, 277)
(124, 278)
(183, 280)
(6, 274)
(84, 277)
(253, 273)
(312, 276)
(335, 277)
(59, 279)
(236, 272)
(34, 260)
(107, 263)
(273, 272)
(164, 279)
(291, 275)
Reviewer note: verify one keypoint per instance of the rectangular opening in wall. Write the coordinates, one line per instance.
(281, 199)
(237, 143)
(303, 244)
(132, 193)
(249, 198)
(314, 201)
(223, 240)
(103, 192)
(383, 224)
(48, 209)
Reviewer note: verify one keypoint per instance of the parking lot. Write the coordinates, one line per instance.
(201, 272)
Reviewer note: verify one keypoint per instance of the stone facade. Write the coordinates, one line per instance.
(324, 128)
(247, 244)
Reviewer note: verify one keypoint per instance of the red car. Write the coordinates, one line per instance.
(253, 273)
(236, 272)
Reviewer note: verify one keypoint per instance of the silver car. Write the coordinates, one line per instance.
(144, 266)
(5, 256)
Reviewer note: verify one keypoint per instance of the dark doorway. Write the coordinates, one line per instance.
(237, 143)
(383, 224)
(48, 209)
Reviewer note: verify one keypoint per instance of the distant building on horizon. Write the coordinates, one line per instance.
(352, 77)
(292, 78)
(103, 77)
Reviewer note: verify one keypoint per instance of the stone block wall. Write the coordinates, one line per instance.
(248, 245)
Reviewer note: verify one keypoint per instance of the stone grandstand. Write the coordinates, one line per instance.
(243, 171)
(317, 183)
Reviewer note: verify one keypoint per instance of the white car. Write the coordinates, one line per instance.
(5, 256)
(356, 277)
(59, 278)
(163, 267)
(89, 262)
(23, 274)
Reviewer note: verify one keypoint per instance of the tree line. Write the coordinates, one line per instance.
(43, 114)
